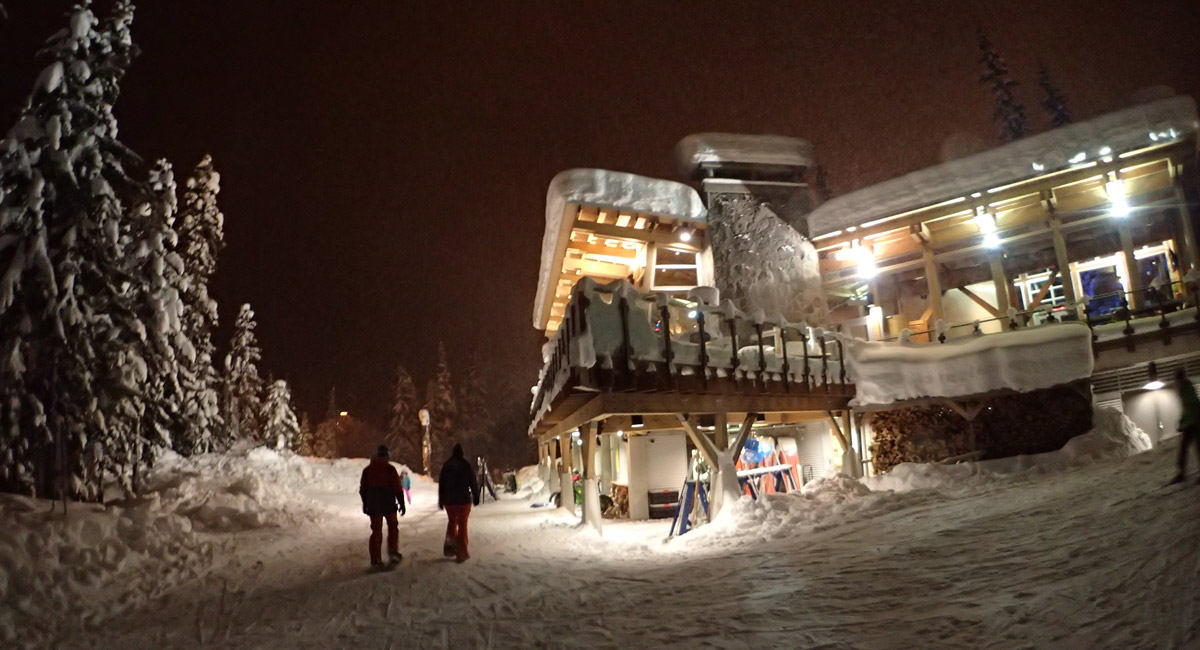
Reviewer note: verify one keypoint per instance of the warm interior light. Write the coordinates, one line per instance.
(344, 413)
(1116, 195)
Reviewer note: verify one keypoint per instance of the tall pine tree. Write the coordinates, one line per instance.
(404, 431)
(1053, 101)
(157, 274)
(1008, 112)
(474, 409)
(280, 427)
(71, 341)
(201, 238)
(243, 385)
(439, 399)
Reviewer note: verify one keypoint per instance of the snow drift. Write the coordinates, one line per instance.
(100, 560)
(1112, 435)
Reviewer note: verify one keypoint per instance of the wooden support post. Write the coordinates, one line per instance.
(1131, 269)
(1185, 217)
(606, 463)
(721, 430)
(999, 281)
(592, 517)
(1060, 250)
(837, 431)
(566, 481)
(701, 441)
(932, 282)
(743, 434)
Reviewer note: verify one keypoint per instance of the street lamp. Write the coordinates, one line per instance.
(426, 450)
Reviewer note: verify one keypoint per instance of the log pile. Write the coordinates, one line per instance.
(1006, 425)
(620, 503)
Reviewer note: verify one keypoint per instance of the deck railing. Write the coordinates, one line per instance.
(1149, 302)
(689, 343)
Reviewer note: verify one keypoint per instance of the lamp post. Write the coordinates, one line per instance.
(423, 414)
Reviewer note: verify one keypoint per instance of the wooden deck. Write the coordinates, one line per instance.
(593, 396)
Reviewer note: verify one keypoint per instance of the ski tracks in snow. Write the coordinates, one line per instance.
(1067, 560)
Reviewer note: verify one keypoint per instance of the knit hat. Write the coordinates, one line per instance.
(382, 452)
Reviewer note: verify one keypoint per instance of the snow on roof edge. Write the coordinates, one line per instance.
(1173, 118)
(608, 189)
(765, 149)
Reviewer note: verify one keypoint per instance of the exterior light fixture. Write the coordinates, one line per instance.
(1115, 188)
(685, 234)
(637, 421)
(866, 261)
(987, 227)
(1078, 158)
(1154, 383)
(343, 414)
(693, 314)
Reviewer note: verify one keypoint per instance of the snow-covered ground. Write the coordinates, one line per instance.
(264, 551)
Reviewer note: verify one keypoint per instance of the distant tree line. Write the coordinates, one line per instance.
(106, 322)
(478, 408)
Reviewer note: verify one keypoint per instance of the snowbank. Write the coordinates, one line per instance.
(707, 148)
(1112, 435)
(99, 560)
(1155, 123)
(1023, 360)
(608, 189)
(529, 482)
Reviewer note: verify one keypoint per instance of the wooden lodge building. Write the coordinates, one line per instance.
(680, 323)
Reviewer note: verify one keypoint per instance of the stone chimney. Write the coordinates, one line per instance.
(758, 203)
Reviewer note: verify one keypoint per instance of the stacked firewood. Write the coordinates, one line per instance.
(1024, 423)
(620, 503)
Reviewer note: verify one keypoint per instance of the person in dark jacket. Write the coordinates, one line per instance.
(457, 491)
(1189, 421)
(382, 496)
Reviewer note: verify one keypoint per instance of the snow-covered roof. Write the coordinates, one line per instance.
(707, 148)
(602, 188)
(1020, 360)
(1154, 123)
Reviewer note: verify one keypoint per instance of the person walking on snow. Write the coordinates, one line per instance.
(382, 496)
(1189, 421)
(457, 491)
(406, 483)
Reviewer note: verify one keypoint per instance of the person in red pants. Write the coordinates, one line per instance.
(382, 496)
(458, 489)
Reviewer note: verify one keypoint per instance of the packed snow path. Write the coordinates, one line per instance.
(1086, 558)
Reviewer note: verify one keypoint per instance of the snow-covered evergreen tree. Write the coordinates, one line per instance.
(243, 385)
(280, 427)
(404, 432)
(439, 399)
(474, 410)
(1008, 112)
(156, 271)
(1054, 102)
(71, 341)
(201, 238)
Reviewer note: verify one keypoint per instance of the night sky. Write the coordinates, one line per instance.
(384, 164)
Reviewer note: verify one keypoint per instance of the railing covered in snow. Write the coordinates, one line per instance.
(613, 337)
